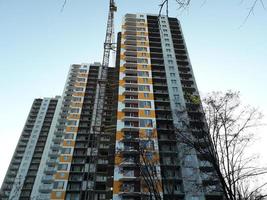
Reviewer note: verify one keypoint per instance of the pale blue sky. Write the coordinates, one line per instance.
(38, 43)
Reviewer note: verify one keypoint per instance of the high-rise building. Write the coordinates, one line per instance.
(134, 153)
(156, 79)
(23, 171)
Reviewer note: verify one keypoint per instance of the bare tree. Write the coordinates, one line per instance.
(223, 142)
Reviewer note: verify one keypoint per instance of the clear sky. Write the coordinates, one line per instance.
(38, 43)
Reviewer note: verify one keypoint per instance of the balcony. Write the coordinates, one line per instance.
(46, 188)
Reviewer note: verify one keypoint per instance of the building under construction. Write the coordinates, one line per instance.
(113, 133)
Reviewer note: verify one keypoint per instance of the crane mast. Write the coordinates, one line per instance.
(96, 128)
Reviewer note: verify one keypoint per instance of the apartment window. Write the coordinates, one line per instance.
(167, 45)
(176, 97)
(68, 142)
(66, 150)
(147, 112)
(145, 123)
(72, 196)
(83, 71)
(140, 60)
(72, 122)
(145, 80)
(74, 110)
(148, 132)
(78, 89)
(144, 66)
(143, 88)
(143, 73)
(145, 104)
(141, 49)
(166, 40)
(69, 136)
(168, 50)
(164, 26)
(177, 105)
(175, 89)
(58, 194)
(173, 81)
(171, 68)
(146, 95)
(166, 35)
(172, 74)
(165, 30)
(170, 61)
(65, 158)
(58, 185)
(81, 79)
(62, 166)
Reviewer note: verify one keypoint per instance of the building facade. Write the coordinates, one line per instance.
(135, 153)
(23, 172)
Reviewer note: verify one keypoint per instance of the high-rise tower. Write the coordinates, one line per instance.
(156, 79)
(23, 171)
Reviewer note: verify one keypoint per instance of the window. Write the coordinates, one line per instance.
(148, 132)
(147, 112)
(164, 26)
(168, 50)
(140, 60)
(65, 158)
(58, 185)
(69, 136)
(78, 89)
(143, 88)
(166, 40)
(172, 74)
(170, 62)
(175, 89)
(66, 150)
(176, 97)
(165, 30)
(169, 56)
(174, 81)
(166, 35)
(72, 122)
(74, 110)
(144, 66)
(171, 68)
(145, 104)
(167, 45)
(145, 123)
(146, 95)
(143, 73)
(62, 166)
(141, 49)
(177, 105)
(81, 79)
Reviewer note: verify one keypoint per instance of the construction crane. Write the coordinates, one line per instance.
(96, 127)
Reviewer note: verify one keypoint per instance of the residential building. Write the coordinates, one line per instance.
(23, 169)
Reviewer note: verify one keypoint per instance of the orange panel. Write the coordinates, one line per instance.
(82, 74)
(121, 98)
(69, 143)
(118, 160)
(54, 195)
(121, 82)
(140, 80)
(71, 129)
(80, 84)
(62, 175)
(142, 114)
(79, 94)
(120, 115)
(67, 160)
(116, 187)
(74, 116)
(119, 135)
(141, 96)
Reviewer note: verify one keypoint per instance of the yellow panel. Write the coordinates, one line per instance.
(82, 74)
(139, 34)
(122, 69)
